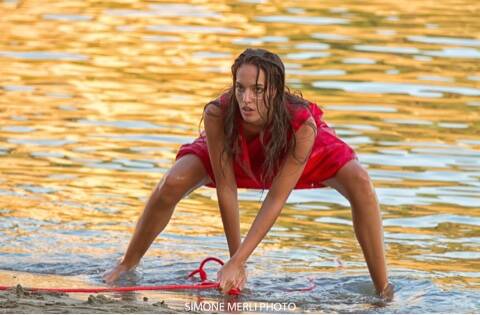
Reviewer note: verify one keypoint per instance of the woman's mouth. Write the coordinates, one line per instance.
(247, 111)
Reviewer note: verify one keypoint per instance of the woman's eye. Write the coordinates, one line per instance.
(259, 90)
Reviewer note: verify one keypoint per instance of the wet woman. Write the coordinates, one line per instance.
(259, 135)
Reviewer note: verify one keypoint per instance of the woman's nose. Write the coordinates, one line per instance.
(247, 95)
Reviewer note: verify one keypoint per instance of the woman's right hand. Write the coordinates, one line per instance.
(114, 274)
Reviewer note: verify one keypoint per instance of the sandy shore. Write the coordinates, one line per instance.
(19, 300)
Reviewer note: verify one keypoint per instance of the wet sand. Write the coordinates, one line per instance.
(21, 301)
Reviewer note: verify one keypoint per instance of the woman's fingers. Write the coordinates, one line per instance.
(241, 284)
(110, 277)
(225, 286)
(114, 274)
(230, 277)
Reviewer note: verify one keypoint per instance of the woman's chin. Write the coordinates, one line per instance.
(249, 119)
(252, 120)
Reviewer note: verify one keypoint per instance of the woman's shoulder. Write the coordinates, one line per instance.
(217, 107)
(222, 100)
(301, 109)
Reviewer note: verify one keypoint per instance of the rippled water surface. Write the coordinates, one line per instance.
(96, 98)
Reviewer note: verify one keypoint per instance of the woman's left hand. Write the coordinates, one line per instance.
(232, 276)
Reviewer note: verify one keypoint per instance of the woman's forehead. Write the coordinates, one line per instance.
(247, 75)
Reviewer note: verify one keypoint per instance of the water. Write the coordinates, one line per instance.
(96, 98)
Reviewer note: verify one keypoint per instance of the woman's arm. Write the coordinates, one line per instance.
(224, 176)
(282, 185)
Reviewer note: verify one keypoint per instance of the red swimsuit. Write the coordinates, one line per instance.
(328, 155)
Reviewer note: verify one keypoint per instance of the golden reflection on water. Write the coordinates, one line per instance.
(95, 99)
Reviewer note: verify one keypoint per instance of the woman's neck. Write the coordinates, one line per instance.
(250, 131)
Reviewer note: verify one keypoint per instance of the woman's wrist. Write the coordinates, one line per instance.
(128, 264)
(238, 259)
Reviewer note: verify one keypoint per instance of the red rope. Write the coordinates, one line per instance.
(204, 285)
(201, 286)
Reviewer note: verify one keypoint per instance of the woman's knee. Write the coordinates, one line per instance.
(360, 177)
(184, 176)
(170, 190)
(355, 180)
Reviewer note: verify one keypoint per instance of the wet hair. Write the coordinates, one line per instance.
(278, 119)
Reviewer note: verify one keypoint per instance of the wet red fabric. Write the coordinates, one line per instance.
(328, 155)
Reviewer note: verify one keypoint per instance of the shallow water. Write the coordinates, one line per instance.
(96, 97)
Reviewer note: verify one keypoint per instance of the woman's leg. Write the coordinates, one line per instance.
(187, 174)
(353, 182)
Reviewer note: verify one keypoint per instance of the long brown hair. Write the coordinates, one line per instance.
(278, 118)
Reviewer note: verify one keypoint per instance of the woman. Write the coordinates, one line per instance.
(259, 135)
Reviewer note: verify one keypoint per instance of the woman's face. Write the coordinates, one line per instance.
(250, 94)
